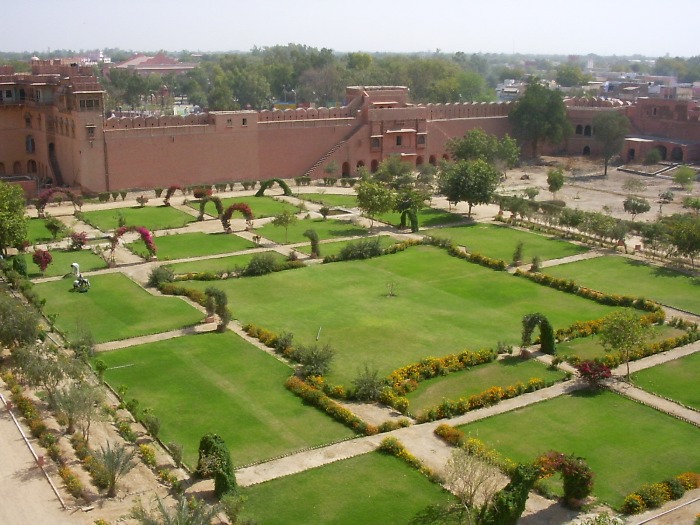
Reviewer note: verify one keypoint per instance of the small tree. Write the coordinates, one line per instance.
(42, 258)
(186, 512)
(374, 199)
(685, 177)
(531, 192)
(315, 360)
(518, 253)
(78, 240)
(593, 373)
(80, 403)
(610, 127)
(217, 303)
(623, 331)
(665, 197)
(471, 478)
(215, 460)
(55, 226)
(324, 211)
(19, 323)
(636, 205)
(555, 180)
(117, 462)
(284, 220)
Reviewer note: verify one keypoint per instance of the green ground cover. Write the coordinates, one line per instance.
(334, 248)
(114, 308)
(676, 380)
(37, 232)
(62, 260)
(625, 443)
(590, 347)
(427, 218)
(331, 200)
(372, 489)
(624, 276)
(260, 206)
(220, 383)
(151, 217)
(219, 264)
(503, 373)
(328, 229)
(442, 305)
(500, 242)
(197, 244)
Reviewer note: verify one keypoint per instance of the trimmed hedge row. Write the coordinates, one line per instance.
(491, 396)
(454, 251)
(474, 447)
(317, 398)
(652, 496)
(393, 447)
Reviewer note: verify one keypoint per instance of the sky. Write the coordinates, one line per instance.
(602, 27)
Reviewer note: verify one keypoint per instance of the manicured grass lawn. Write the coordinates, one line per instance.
(503, 373)
(442, 305)
(676, 380)
(184, 245)
(590, 347)
(260, 206)
(62, 260)
(500, 242)
(220, 264)
(114, 308)
(152, 217)
(625, 443)
(427, 218)
(333, 248)
(331, 200)
(327, 229)
(624, 276)
(372, 489)
(220, 383)
(37, 232)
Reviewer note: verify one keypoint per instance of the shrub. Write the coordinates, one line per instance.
(148, 455)
(633, 504)
(19, 264)
(362, 249)
(73, 484)
(675, 488)
(42, 258)
(158, 192)
(315, 360)
(368, 385)
(123, 194)
(260, 264)
(593, 372)
(151, 423)
(161, 275)
(142, 200)
(78, 240)
(103, 196)
(652, 157)
(176, 451)
(689, 480)
(655, 495)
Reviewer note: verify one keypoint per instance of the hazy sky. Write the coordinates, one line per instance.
(604, 27)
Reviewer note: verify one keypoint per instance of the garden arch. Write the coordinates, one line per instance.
(239, 206)
(266, 184)
(171, 191)
(146, 237)
(203, 202)
(530, 322)
(46, 195)
(412, 216)
(575, 472)
(217, 302)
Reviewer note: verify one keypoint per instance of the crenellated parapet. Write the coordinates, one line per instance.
(467, 110)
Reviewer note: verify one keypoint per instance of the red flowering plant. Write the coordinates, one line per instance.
(42, 258)
(146, 237)
(593, 372)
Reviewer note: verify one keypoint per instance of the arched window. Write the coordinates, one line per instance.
(677, 154)
(586, 150)
(587, 131)
(432, 160)
(29, 143)
(419, 161)
(31, 166)
(17, 168)
(375, 165)
(346, 169)
(579, 129)
(360, 164)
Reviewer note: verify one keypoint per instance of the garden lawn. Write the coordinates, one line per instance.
(184, 245)
(62, 260)
(260, 206)
(372, 489)
(334, 248)
(442, 305)
(619, 275)
(331, 200)
(151, 217)
(220, 264)
(504, 372)
(427, 218)
(590, 347)
(37, 232)
(328, 229)
(625, 443)
(114, 308)
(499, 242)
(676, 380)
(220, 383)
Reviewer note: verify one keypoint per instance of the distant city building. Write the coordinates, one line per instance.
(162, 64)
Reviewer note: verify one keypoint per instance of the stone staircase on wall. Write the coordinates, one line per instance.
(325, 157)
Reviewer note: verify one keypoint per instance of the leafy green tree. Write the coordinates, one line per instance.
(540, 115)
(284, 220)
(665, 197)
(19, 323)
(477, 144)
(394, 173)
(473, 182)
(624, 332)
(692, 203)
(636, 205)
(13, 222)
(685, 177)
(685, 235)
(80, 403)
(117, 461)
(610, 127)
(55, 226)
(570, 75)
(555, 180)
(409, 202)
(374, 199)
(531, 192)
